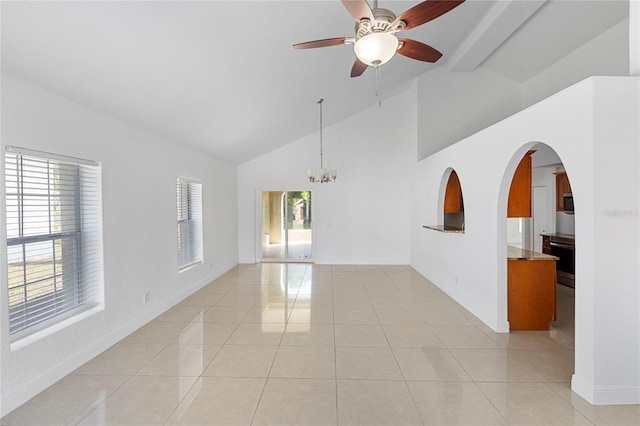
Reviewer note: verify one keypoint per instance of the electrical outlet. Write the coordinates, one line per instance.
(145, 297)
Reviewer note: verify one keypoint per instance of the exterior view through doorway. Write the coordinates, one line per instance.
(286, 231)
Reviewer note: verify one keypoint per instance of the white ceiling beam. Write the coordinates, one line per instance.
(502, 20)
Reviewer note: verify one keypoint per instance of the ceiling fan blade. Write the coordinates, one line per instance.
(426, 11)
(358, 68)
(416, 50)
(320, 43)
(358, 9)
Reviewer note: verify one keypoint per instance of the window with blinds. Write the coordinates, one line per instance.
(189, 212)
(54, 262)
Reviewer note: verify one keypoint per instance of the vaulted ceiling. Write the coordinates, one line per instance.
(222, 75)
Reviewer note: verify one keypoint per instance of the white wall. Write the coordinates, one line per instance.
(515, 232)
(470, 100)
(362, 218)
(606, 54)
(634, 37)
(139, 172)
(543, 177)
(593, 127)
(615, 266)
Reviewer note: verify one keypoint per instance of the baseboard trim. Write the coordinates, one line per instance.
(605, 395)
(10, 402)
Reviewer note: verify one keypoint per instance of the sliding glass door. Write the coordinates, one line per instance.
(286, 226)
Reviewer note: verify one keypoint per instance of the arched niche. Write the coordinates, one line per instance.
(451, 206)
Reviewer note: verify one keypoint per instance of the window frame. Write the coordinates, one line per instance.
(189, 223)
(73, 283)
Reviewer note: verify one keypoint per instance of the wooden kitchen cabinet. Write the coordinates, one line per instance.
(562, 187)
(531, 294)
(519, 204)
(453, 195)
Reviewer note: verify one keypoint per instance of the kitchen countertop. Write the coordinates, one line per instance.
(517, 253)
(442, 228)
(559, 235)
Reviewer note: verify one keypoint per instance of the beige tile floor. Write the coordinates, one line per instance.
(305, 344)
(297, 250)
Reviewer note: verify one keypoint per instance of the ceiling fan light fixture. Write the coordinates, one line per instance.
(376, 48)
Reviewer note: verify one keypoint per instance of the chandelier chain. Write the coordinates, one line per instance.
(321, 161)
(325, 175)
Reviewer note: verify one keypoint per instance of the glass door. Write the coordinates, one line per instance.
(286, 226)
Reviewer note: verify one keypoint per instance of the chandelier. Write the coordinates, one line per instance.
(325, 175)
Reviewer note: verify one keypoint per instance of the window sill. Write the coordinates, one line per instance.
(37, 332)
(189, 266)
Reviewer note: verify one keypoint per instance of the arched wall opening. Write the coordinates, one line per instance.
(450, 201)
(600, 152)
(546, 219)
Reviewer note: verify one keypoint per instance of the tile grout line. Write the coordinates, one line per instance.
(375, 290)
(335, 352)
(406, 385)
(569, 403)
(266, 381)
(135, 373)
(404, 379)
(200, 377)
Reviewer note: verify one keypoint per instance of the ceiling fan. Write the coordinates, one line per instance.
(376, 42)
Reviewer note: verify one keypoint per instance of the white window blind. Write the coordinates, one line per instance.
(54, 261)
(189, 211)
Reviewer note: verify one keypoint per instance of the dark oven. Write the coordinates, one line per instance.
(565, 250)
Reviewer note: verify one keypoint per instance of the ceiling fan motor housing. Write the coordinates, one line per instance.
(382, 20)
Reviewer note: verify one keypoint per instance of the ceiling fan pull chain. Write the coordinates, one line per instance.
(378, 91)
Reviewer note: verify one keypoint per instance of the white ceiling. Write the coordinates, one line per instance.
(554, 30)
(222, 75)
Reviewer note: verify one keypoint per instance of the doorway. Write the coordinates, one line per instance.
(286, 231)
(543, 217)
